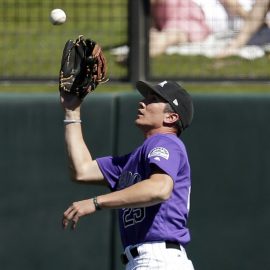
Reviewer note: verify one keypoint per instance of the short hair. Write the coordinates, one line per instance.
(178, 125)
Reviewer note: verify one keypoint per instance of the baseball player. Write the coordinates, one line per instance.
(149, 186)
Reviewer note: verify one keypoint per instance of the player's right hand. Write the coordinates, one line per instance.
(76, 211)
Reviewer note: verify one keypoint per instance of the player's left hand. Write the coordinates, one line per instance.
(83, 67)
(70, 102)
(76, 211)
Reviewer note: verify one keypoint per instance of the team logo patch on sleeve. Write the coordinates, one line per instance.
(159, 152)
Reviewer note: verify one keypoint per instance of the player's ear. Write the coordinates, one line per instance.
(171, 117)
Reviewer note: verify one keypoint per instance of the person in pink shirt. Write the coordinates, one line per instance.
(174, 22)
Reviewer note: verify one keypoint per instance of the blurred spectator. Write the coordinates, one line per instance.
(254, 31)
(191, 21)
(180, 21)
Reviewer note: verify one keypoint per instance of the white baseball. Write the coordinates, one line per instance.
(58, 16)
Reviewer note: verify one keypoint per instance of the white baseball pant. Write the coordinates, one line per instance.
(155, 256)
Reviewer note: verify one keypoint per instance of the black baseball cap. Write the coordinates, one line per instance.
(179, 99)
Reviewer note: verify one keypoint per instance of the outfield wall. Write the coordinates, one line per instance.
(228, 145)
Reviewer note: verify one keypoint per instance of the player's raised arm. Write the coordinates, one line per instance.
(81, 163)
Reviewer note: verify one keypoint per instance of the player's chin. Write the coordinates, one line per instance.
(141, 124)
(138, 121)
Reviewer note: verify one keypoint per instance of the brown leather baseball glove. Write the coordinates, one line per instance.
(83, 67)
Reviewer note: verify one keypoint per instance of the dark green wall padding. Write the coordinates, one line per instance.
(229, 150)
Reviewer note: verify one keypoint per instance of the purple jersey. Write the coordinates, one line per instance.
(164, 221)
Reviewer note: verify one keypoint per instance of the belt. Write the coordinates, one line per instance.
(134, 251)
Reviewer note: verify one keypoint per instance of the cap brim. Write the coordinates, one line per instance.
(145, 88)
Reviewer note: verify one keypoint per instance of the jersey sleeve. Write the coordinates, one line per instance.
(111, 168)
(166, 155)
